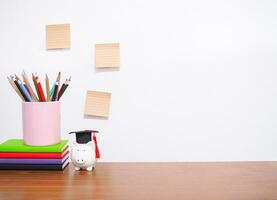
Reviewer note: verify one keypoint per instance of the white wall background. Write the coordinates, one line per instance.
(197, 80)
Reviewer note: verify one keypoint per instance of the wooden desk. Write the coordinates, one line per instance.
(192, 181)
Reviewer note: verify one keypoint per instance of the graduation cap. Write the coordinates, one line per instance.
(83, 137)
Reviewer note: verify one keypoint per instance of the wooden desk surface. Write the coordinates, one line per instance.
(192, 181)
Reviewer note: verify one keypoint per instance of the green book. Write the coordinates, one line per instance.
(17, 145)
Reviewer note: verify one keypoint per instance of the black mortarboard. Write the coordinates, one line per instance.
(83, 137)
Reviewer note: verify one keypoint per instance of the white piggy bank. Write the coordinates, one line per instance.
(83, 156)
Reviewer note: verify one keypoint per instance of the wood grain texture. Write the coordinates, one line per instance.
(107, 55)
(97, 103)
(136, 181)
(58, 36)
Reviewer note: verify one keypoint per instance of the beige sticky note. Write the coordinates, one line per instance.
(97, 103)
(107, 55)
(58, 36)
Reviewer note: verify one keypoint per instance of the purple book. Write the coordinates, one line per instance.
(32, 160)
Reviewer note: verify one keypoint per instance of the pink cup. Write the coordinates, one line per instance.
(41, 123)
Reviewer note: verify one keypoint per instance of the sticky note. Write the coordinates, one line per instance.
(58, 36)
(97, 103)
(107, 55)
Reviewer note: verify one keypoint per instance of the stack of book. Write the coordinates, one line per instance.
(14, 154)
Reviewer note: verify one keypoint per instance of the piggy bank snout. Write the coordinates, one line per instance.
(80, 160)
(81, 156)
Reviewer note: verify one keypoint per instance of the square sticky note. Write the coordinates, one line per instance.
(107, 55)
(58, 36)
(97, 103)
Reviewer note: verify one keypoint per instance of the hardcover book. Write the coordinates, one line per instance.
(32, 160)
(33, 154)
(34, 166)
(17, 145)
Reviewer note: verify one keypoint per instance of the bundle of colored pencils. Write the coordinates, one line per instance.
(25, 91)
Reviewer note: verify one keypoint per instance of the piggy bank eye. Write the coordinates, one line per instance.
(84, 150)
(77, 149)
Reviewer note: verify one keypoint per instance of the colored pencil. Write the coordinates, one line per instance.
(40, 90)
(52, 90)
(16, 77)
(26, 80)
(63, 88)
(16, 83)
(54, 97)
(58, 80)
(35, 83)
(27, 88)
(22, 89)
(16, 89)
(53, 87)
(47, 87)
(19, 88)
(25, 91)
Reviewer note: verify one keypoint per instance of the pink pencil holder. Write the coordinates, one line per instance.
(41, 123)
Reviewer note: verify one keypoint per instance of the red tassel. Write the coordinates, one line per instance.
(97, 153)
